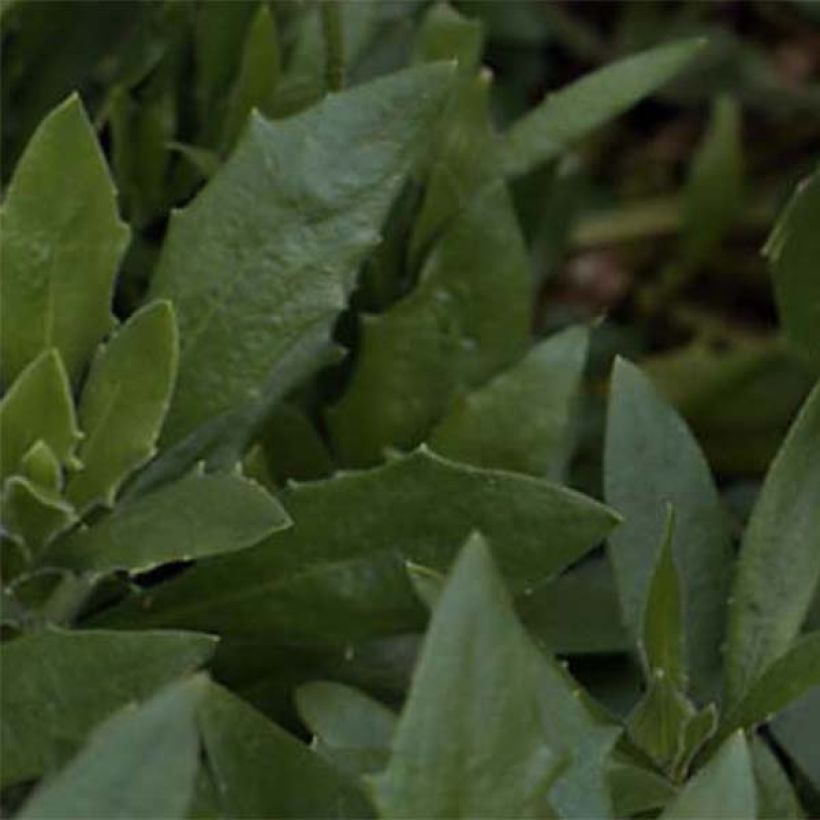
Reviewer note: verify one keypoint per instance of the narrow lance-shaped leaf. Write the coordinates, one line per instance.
(571, 113)
(141, 763)
(38, 407)
(779, 563)
(470, 742)
(58, 685)
(202, 514)
(262, 771)
(646, 438)
(61, 243)
(373, 519)
(723, 788)
(521, 419)
(123, 403)
(271, 246)
(793, 251)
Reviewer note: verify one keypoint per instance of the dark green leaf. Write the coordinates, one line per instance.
(796, 729)
(141, 763)
(636, 790)
(779, 563)
(61, 244)
(58, 685)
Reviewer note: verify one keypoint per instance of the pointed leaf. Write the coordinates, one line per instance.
(779, 563)
(202, 514)
(663, 638)
(58, 685)
(261, 771)
(123, 403)
(61, 244)
(793, 251)
(377, 518)
(470, 742)
(141, 763)
(42, 467)
(723, 788)
(444, 34)
(796, 730)
(33, 513)
(776, 799)
(645, 437)
(571, 113)
(521, 419)
(38, 407)
(271, 246)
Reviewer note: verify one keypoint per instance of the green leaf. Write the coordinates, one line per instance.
(261, 771)
(470, 742)
(417, 508)
(61, 244)
(33, 513)
(444, 34)
(776, 799)
(723, 788)
(467, 318)
(123, 403)
(271, 246)
(141, 763)
(786, 679)
(521, 419)
(42, 467)
(636, 790)
(38, 407)
(796, 730)
(256, 77)
(663, 635)
(793, 250)
(201, 514)
(652, 460)
(58, 685)
(568, 115)
(348, 726)
(779, 563)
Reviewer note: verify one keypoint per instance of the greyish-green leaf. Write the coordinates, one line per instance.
(270, 248)
(571, 113)
(779, 563)
(651, 460)
(124, 401)
(38, 407)
(58, 685)
(521, 419)
(793, 251)
(776, 799)
(201, 514)
(61, 244)
(140, 763)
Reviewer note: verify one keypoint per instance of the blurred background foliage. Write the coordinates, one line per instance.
(656, 221)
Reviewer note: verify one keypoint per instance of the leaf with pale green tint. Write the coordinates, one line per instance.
(784, 680)
(658, 723)
(61, 244)
(723, 788)
(793, 251)
(776, 799)
(662, 635)
(256, 77)
(38, 407)
(714, 190)
(796, 730)
(270, 248)
(573, 112)
(470, 741)
(199, 515)
(42, 467)
(262, 771)
(427, 583)
(651, 460)
(34, 514)
(140, 763)
(123, 403)
(444, 34)
(467, 318)
(778, 566)
(380, 518)
(522, 419)
(348, 726)
(58, 685)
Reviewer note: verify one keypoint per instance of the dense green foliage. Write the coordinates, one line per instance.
(304, 429)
